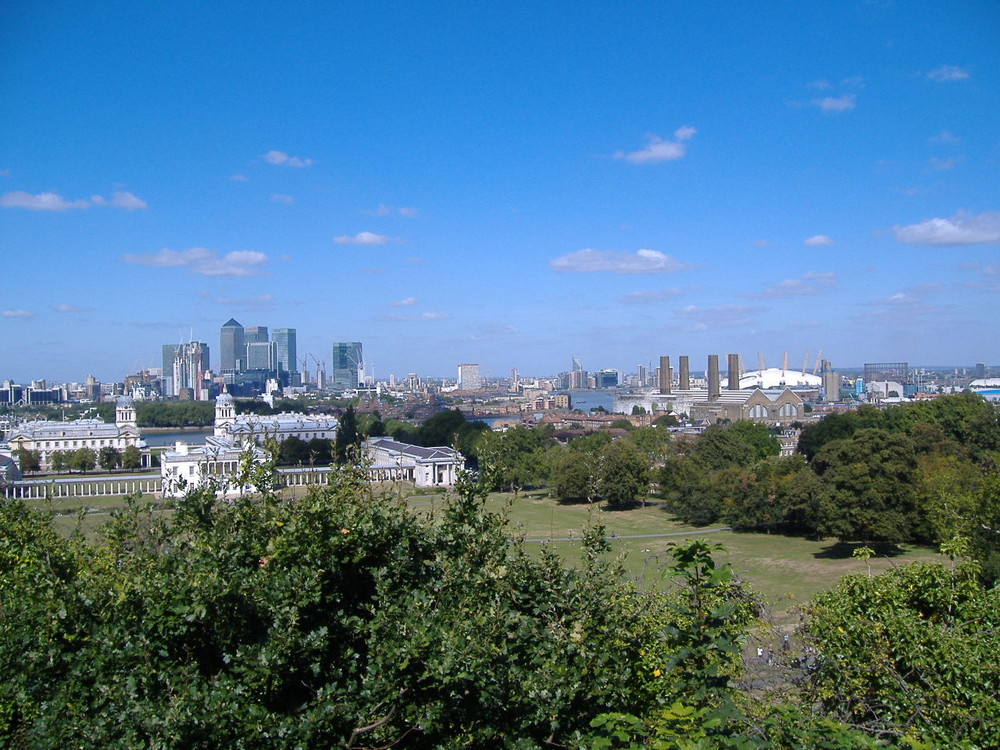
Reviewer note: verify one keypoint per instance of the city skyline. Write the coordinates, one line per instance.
(510, 185)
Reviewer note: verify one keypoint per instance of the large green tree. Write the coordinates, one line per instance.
(869, 489)
(912, 651)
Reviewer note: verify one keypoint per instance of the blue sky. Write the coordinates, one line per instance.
(512, 184)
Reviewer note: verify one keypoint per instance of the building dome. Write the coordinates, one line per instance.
(775, 377)
(224, 398)
(125, 401)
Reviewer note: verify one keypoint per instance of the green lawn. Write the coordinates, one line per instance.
(786, 570)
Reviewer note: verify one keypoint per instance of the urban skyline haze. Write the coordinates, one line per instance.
(508, 184)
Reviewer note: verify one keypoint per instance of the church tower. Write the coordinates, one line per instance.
(225, 414)
(125, 413)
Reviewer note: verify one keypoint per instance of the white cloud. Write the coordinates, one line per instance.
(408, 302)
(387, 210)
(836, 103)
(412, 318)
(723, 316)
(819, 84)
(948, 73)
(55, 202)
(761, 243)
(962, 229)
(281, 198)
(642, 261)
(659, 149)
(239, 178)
(827, 277)
(128, 201)
(945, 136)
(787, 288)
(17, 314)
(40, 202)
(204, 262)
(649, 296)
(281, 159)
(361, 238)
(67, 308)
(5, 173)
(819, 240)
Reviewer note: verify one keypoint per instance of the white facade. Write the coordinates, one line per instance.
(469, 378)
(252, 427)
(218, 464)
(51, 437)
(425, 467)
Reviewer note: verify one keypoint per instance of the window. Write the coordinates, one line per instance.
(757, 411)
(788, 410)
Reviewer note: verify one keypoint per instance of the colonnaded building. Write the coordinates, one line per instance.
(227, 458)
(50, 437)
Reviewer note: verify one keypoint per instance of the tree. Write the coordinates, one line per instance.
(622, 474)
(30, 461)
(109, 458)
(131, 458)
(337, 620)
(59, 461)
(83, 460)
(348, 439)
(868, 487)
(571, 476)
(912, 650)
(293, 450)
(514, 459)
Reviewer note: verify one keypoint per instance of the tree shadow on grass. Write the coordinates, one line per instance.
(845, 550)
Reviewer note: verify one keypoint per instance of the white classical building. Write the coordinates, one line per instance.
(225, 459)
(243, 428)
(425, 467)
(219, 463)
(49, 437)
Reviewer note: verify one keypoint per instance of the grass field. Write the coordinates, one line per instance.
(786, 570)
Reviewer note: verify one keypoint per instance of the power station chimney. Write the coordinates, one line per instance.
(685, 378)
(734, 372)
(714, 390)
(666, 375)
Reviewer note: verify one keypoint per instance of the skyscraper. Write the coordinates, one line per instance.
(167, 373)
(261, 355)
(191, 360)
(284, 340)
(255, 334)
(232, 346)
(468, 378)
(347, 364)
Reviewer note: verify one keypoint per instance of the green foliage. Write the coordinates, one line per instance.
(337, 619)
(868, 487)
(83, 460)
(29, 460)
(109, 458)
(131, 458)
(514, 459)
(911, 652)
(622, 474)
(175, 413)
(346, 444)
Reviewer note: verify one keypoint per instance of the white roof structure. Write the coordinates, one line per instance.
(775, 377)
(984, 383)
